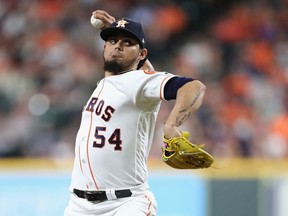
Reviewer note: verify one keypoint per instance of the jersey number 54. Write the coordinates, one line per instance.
(114, 138)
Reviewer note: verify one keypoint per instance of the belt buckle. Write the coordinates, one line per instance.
(86, 195)
(95, 196)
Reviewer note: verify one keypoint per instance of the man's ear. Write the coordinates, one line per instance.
(143, 53)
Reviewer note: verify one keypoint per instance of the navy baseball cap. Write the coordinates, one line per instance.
(127, 26)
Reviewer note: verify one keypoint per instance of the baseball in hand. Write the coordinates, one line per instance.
(96, 23)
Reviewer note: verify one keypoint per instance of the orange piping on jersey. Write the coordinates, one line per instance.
(80, 159)
(149, 206)
(87, 143)
(161, 87)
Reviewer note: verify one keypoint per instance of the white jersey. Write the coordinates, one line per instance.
(116, 131)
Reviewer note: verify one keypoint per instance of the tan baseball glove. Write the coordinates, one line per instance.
(180, 153)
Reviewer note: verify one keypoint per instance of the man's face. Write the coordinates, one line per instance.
(122, 53)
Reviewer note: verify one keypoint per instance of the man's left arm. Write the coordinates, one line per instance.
(188, 100)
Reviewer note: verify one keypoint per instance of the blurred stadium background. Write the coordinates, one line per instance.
(51, 59)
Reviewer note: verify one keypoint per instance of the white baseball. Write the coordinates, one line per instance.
(96, 23)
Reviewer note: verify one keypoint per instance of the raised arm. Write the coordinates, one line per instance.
(106, 18)
(147, 65)
(188, 100)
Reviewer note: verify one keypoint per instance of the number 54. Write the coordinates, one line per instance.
(114, 139)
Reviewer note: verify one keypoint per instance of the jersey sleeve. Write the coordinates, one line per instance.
(153, 87)
(147, 87)
(172, 86)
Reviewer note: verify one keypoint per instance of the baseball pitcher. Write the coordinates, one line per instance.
(114, 139)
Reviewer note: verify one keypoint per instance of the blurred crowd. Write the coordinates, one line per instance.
(51, 60)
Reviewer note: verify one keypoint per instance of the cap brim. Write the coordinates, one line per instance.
(107, 32)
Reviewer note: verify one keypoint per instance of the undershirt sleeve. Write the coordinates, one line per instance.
(172, 86)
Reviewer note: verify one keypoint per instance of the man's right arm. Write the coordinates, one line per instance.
(147, 66)
(106, 18)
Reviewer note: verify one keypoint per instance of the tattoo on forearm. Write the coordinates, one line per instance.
(183, 115)
(194, 101)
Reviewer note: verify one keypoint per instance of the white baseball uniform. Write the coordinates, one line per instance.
(113, 143)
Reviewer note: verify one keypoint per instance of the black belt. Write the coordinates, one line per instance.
(100, 196)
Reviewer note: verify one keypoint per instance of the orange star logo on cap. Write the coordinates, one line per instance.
(121, 23)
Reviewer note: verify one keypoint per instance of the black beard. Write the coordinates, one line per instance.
(113, 66)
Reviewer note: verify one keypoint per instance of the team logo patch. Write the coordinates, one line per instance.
(121, 23)
(149, 72)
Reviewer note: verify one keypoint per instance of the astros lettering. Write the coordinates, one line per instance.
(100, 109)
